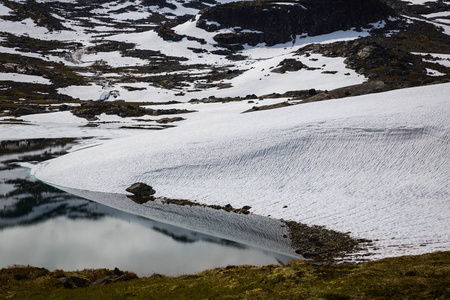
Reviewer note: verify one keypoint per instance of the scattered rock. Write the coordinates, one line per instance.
(169, 120)
(91, 109)
(79, 282)
(66, 282)
(123, 277)
(289, 65)
(321, 244)
(266, 107)
(28, 110)
(353, 90)
(102, 281)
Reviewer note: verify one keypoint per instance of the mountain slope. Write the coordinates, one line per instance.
(160, 51)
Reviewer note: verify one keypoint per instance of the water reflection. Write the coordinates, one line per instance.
(45, 227)
(30, 202)
(113, 242)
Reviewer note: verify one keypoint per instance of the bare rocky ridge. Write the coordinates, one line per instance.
(387, 55)
(275, 22)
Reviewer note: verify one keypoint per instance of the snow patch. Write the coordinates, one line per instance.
(376, 165)
(16, 77)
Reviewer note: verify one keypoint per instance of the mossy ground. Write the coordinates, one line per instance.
(410, 277)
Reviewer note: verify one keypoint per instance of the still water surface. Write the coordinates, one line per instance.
(45, 227)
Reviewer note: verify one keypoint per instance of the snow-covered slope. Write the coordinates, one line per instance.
(375, 165)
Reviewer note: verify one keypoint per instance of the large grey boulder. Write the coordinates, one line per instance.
(141, 189)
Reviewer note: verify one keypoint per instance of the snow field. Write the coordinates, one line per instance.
(375, 165)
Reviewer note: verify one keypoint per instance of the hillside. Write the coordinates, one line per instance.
(180, 51)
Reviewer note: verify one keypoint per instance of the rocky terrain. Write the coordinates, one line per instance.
(273, 22)
(79, 45)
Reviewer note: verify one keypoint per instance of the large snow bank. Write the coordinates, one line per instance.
(375, 165)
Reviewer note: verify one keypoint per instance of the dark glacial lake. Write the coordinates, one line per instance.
(45, 227)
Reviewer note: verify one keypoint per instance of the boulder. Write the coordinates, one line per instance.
(141, 189)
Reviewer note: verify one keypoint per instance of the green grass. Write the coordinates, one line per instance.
(410, 277)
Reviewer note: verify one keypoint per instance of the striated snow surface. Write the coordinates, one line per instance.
(377, 165)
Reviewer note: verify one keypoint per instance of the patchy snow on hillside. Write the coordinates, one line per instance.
(419, 2)
(24, 78)
(376, 165)
(4, 11)
(65, 124)
(442, 59)
(256, 78)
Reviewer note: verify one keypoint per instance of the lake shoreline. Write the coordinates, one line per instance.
(316, 243)
(413, 277)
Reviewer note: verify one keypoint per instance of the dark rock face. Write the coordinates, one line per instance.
(275, 23)
(159, 3)
(378, 61)
(28, 110)
(90, 110)
(289, 65)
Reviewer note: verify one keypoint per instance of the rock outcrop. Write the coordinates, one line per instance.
(274, 22)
